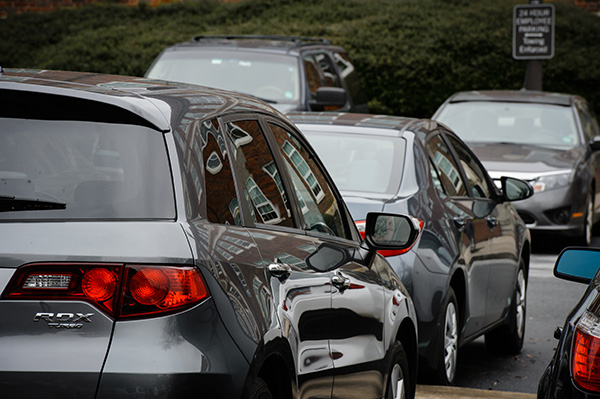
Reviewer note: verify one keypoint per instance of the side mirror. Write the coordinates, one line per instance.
(577, 264)
(515, 189)
(595, 143)
(329, 97)
(391, 231)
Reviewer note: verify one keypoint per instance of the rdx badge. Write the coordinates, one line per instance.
(64, 320)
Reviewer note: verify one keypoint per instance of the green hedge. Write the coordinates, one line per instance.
(412, 54)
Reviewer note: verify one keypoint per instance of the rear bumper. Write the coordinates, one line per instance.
(184, 355)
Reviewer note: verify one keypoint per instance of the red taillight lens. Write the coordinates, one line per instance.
(61, 281)
(361, 224)
(149, 286)
(99, 284)
(139, 290)
(585, 362)
(159, 289)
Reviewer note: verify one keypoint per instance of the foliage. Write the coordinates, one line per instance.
(412, 54)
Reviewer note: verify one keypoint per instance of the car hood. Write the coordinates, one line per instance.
(500, 157)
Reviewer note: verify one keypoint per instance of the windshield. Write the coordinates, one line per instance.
(360, 163)
(518, 123)
(267, 76)
(96, 170)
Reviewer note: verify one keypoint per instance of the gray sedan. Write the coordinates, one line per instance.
(549, 139)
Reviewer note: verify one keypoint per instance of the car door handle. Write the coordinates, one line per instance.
(492, 222)
(280, 270)
(459, 222)
(340, 282)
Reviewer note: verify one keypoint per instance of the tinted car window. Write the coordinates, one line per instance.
(222, 203)
(350, 77)
(320, 208)
(478, 183)
(330, 75)
(312, 72)
(588, 122)
(446, 168)
(258, 173)
(99, 170)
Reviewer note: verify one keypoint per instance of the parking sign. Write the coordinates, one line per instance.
(533, 31)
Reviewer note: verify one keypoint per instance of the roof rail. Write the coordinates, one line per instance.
(299, 40)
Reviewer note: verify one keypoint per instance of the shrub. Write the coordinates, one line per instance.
(412, 54)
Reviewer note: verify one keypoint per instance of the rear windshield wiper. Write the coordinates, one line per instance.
(10, 203)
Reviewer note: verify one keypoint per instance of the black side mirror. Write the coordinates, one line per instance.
(329, 97)
(391, 231)
(595, 143)
(577, 264)
(515, 189)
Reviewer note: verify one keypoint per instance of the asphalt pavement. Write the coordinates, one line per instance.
(437, 392)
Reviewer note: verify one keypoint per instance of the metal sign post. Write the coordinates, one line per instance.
(533, 39)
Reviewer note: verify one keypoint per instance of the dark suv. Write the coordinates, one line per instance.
(163, 240)
(291, 73)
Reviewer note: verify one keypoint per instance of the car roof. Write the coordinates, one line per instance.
(371, 121)
(149, 100)
(262, 43)
(521, 96)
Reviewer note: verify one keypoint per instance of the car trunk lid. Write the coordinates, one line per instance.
(58, 346)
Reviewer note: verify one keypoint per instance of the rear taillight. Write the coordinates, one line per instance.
(123, 291)
(153, 290)
(361, 225)
(585, 362)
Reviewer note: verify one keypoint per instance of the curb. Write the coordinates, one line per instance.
(440, 392)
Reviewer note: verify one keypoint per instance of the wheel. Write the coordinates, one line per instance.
(585, 238)
(399, 384)
(448, 355)
(508, 338)
(260, 390)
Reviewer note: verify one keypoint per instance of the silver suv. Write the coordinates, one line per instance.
(290, 72)
(173, 241)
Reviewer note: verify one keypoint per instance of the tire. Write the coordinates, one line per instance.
(399, 385)
(260, 390)
(585, 239)
(447, 361)
(508, 338)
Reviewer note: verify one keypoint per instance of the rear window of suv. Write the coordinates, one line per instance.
(103, 171)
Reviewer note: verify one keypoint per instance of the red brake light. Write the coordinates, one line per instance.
(149, 286)
(99, 284)
(361, 225)
(123, 291)
(585, 362)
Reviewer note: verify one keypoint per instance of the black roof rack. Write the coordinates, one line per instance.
(298, 40)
